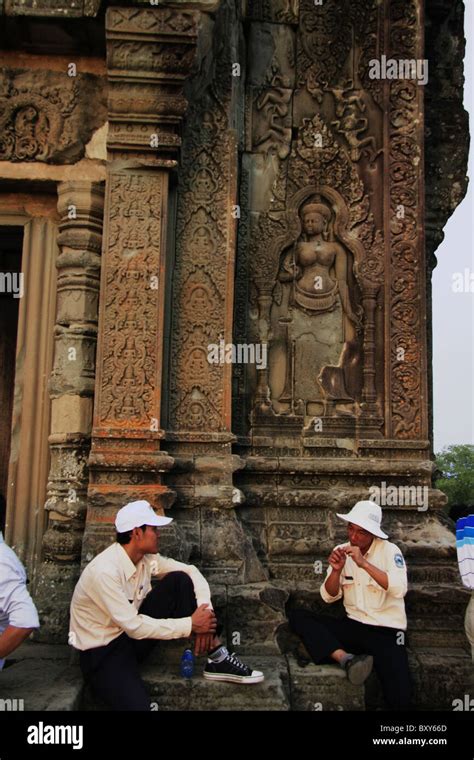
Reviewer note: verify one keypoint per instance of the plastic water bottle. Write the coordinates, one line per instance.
(187, 664)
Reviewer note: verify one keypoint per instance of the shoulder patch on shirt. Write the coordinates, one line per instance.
(399, 561)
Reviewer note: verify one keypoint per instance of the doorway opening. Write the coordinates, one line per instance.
(11, 244)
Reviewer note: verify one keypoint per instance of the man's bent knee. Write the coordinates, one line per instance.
(296, 618)
(177, 578)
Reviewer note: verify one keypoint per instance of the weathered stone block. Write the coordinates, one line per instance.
(253, 615)
(74, 362)
(43, 684)
(321, 688)
(224, 543)
(71, 414)
(433, 692)
(279, 11)
(271, 55)
(262, 173)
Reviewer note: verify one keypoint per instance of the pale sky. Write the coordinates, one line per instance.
(453, 313)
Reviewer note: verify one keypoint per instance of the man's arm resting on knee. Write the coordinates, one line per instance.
(162, 565)
(108, 593)
(11, 638)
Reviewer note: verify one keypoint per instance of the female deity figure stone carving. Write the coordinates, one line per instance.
(313, 323)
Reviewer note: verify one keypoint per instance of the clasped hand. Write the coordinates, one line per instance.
(204, 625)
(337, 558)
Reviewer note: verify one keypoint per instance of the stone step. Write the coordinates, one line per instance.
(321, 688)
(440, 676)
(41, 677)
(253, 614)
(287, 686)
(169, 691)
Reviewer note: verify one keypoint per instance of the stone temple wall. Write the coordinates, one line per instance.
(231, 174)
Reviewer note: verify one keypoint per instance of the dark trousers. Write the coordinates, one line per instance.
(112, 671)
(322, 635)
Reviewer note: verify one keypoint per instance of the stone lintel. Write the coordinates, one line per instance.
(63, 9)
(86, 170)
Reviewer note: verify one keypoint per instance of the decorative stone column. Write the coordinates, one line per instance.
(149, 55)
(80, 205)
(200, 394)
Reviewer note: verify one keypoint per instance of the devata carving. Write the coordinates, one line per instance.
(313, 308)
(332, 253)
(317, 267)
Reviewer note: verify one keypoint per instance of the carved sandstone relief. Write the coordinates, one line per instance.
(272, 118)
(128, 383)
(312, 317)
(280, 11)
(149, 51)
(199, 400)
(313, 265)
(332, 271)
(48, 116)
(407, 292)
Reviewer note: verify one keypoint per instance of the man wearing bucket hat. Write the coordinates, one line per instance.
(117, 617)
(369, 574)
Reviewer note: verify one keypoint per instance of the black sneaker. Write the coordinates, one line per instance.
(231, 669)
(359, 668)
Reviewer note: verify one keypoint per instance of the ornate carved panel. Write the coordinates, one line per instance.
(47, 116)
(407, 275)
(205, 240)
(331, 244)
(128, 394)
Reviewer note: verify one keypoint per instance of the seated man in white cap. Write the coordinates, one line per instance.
(369, 575)
(117, 617)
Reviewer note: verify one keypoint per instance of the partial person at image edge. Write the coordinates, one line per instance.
(18, 614)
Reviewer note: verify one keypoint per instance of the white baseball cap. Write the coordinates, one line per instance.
(367, 515)
(138, 513)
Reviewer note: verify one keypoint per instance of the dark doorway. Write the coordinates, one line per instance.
(11, 242)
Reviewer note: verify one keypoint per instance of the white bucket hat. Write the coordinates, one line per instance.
(138, 513)
(367, 515)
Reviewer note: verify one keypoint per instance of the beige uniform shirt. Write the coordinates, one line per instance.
(111, 589)
(363, 598)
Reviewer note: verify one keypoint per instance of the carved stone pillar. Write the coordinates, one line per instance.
(80, 205)
(149, 56)
(199, 422)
